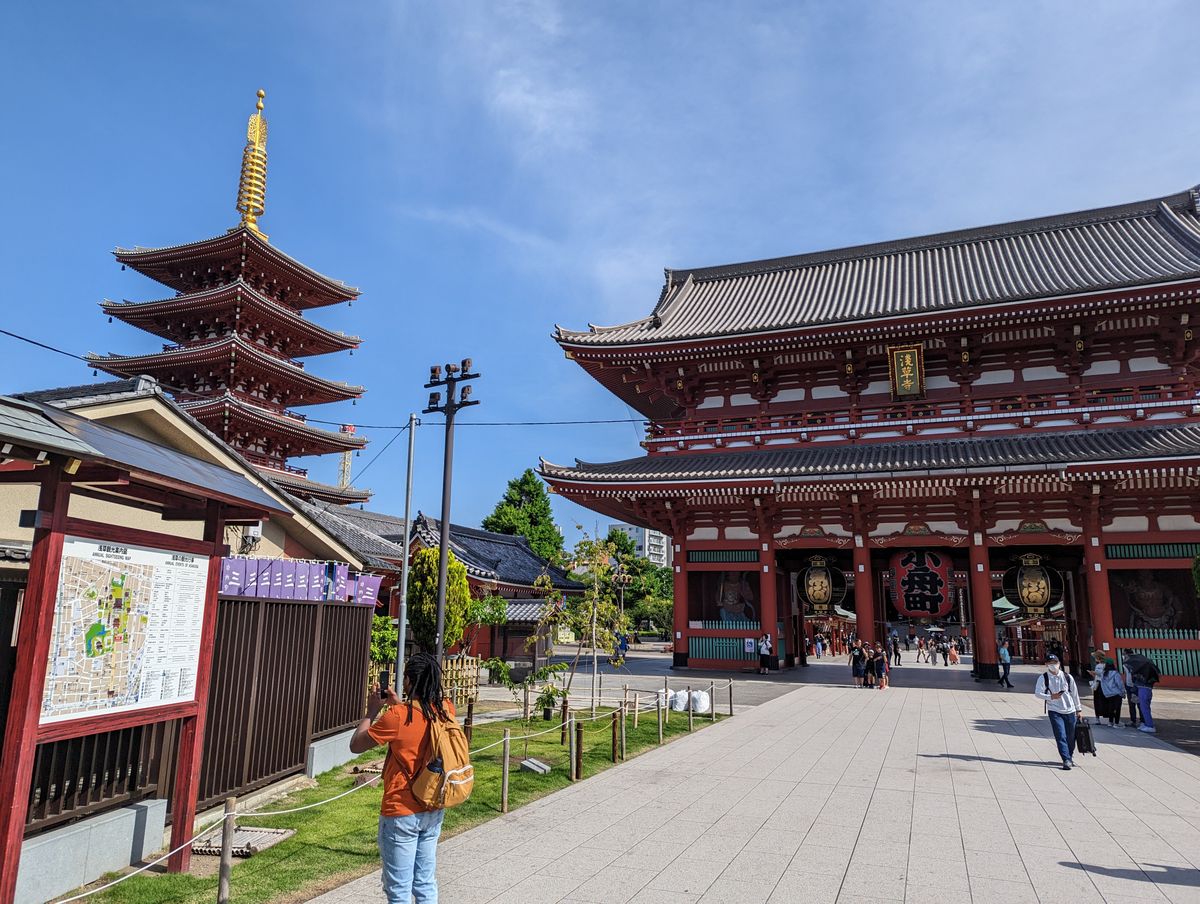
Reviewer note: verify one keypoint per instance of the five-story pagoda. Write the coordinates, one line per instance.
(236, 326)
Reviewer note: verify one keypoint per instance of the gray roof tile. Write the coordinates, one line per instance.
(1133, 244)
(871, 459)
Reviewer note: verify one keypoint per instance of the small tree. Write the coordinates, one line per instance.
(592, 615)
(490, 610)
(422, 600)
(624, 549)
(384, 638)
(524, 511)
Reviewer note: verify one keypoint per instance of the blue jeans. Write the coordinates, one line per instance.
(1063, 725)
(408, 846)
(1144, 696)
(1005, 668)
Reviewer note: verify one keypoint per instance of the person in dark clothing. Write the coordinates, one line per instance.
(858, 663)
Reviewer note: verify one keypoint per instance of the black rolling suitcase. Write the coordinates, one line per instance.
(1084, 742)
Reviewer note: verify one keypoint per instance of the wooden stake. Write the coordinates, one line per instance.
(624, 709)
(712, 701)
(636, 710)
(566, 717)
(527, 703)
(226, 868)
(578, 750)
(689, 707)
(469, 725)
(731, 696)
(571, 764)
(504, 772)
(658, 708)
(614, 735)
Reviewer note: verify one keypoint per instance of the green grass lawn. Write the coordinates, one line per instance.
(336, 842)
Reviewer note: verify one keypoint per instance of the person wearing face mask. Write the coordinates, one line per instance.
(1057, 688)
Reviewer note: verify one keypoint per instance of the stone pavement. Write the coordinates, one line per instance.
(831, 793)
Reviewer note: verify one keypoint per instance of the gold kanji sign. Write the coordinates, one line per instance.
(906, 369)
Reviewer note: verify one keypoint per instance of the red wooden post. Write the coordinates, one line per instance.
(191, 732)
(29, 676)
(768, 601)
(864, 592)
(679, 643)
(982, 613)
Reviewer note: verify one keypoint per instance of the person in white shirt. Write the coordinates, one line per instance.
(1057, 688)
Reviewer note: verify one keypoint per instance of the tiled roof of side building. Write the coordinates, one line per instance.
(1022, 452)
(376, 551)
(108, 390)
(1147, 242)
(500, 557)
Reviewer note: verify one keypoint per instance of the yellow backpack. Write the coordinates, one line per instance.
(447, 778)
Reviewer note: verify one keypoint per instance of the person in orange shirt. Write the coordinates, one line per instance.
(408, 831)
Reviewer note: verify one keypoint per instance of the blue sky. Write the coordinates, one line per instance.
(486, 170)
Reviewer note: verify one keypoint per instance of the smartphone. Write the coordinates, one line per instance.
(385, 682)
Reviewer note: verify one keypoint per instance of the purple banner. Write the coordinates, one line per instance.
(368, 589)
(316, 581)
(250, 577)
(233, 576)
(266, 578)
(288, 591)
(341, 576)
(303, 569)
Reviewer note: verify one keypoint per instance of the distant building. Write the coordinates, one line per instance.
(649, 543)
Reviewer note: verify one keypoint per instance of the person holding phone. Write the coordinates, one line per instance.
(408, 831)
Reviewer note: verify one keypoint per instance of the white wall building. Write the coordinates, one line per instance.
(649, 543)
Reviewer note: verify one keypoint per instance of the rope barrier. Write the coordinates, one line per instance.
(319, 803)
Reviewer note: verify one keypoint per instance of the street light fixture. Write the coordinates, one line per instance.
(454, 374)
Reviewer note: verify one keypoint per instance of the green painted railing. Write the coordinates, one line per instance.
(1170, 662)
(719, 648)
(1158, 634)
(726, 556)
(733, 624)
(1152, 550)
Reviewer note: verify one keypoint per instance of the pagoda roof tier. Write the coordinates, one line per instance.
(241, 254)
(242, 416)
(1144, 243)
(301, 486)
(1019, 454)
(227, 308)
(175, 367)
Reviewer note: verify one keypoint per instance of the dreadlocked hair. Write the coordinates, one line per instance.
(425, 687)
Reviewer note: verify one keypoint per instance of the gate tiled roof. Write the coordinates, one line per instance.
(1135, 244)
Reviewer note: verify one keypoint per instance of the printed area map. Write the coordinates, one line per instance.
(127, 626)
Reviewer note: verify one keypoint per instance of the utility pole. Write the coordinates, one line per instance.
(455, 374)
(400, 642)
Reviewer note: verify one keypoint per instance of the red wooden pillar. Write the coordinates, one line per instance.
(29, 677)
(985, 656)
(769, 604)
(680, 640)
(1095, 565)
(864, 592)
(191, 732)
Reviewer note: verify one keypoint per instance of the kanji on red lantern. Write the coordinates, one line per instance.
(922, 583)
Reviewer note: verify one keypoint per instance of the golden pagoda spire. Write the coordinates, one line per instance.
(252, 187)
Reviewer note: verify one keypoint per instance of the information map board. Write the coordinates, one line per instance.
(127, 628)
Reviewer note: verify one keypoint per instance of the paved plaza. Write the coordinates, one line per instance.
(833, 794)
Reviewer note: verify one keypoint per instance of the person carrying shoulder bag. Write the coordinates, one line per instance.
(1063, 706)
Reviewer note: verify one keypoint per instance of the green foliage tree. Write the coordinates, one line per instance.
(422, 600)
(657, 611)
(484, 610)
(384, 637)
(624, 549)
(524, 511)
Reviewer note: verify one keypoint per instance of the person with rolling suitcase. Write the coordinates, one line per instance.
(1062, 704)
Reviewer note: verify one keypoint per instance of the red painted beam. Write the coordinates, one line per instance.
(29, 677)
(79, 728)
(191, 734)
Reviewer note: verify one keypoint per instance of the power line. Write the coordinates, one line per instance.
(179, 390)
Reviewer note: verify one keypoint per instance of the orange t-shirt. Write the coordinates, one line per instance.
(405, 740)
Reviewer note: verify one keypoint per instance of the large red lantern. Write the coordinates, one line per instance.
(922, 583)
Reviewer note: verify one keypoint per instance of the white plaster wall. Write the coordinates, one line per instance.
(989, 377)
(1141, 365)
(939, 381)
(740, 533)
(828, 392)
(1045, 372)
(1178, 522)
(741, 398)
(1100, 368)
(703, 533)
(1129, 523)
(712, 401)
(876, 388)
(796, 394)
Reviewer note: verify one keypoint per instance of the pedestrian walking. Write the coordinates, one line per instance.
(1005, 665)
(1145, 676)
(944, 649)
(858, 663)
(881, 666)
(907, 641)
(869, 673)
(820, 645)
(1057, 689)
(408, 830)
(954, 654)
(764, 654)
(1095, 674)
(1113, 686)
(921, 654)
(1131, 695)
